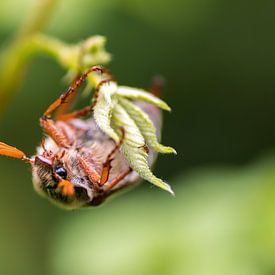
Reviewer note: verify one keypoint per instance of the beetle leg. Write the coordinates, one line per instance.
(71, 90)
(58, 134)
(80, 113)
(95, 97)
(88, 167)
(106, 167)
(88, 109)
(63, 108)
(116, 180)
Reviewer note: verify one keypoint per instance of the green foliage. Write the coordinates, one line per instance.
(146, 126)
(113, 111)
(139, 94)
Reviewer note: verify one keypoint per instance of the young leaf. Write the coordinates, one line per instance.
(145, 126)
(135, 93)
(103, 108)
(133, 147)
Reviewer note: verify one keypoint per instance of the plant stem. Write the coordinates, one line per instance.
(13, 59)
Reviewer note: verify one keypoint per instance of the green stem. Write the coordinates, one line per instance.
(38, 18)
(13, 59)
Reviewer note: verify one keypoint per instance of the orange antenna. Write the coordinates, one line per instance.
(9, 151)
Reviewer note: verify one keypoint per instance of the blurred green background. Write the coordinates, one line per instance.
(218, 59)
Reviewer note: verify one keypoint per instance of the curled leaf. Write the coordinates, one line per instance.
(133, 147)
(120, 118)
(145, 126)
(103, 108)
(140, 94)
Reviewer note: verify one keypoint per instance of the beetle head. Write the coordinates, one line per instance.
(57, 177)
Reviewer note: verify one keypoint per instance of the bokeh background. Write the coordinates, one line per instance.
(218, 59)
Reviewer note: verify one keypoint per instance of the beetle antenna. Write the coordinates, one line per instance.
(10, 151)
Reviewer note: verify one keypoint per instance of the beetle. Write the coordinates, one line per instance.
(77, 165)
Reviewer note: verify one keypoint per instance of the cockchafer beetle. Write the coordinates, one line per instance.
(78, 165)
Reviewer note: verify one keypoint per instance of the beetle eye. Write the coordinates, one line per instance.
(61, 171)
